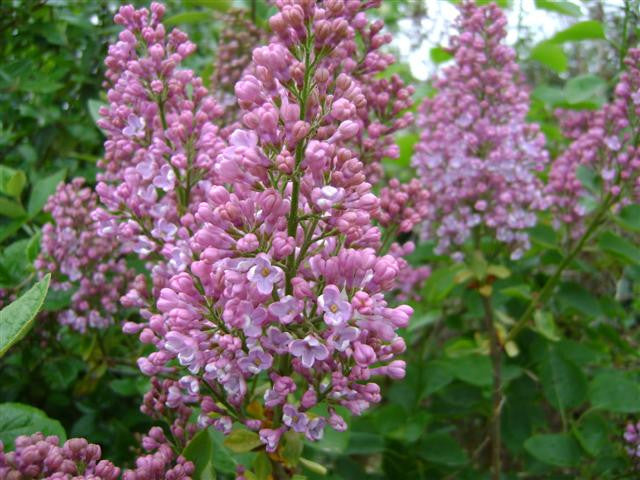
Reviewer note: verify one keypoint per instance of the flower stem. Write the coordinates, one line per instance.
(496, 392)
(553, 280)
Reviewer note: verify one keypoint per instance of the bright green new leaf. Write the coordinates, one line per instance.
(439, 55)
(17, 318)
(587, 30)
(559, 6)
(551, 55)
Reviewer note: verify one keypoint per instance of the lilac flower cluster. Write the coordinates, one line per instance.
(605, 143)
(80, 259)
(286, 289)
(40, 457)
(477, 156)
(631, 437)
(403, 206)
(160, 150)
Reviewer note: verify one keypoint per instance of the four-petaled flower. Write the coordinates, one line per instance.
(291, 417)
(309, 349)
(263, 274)
(337, 310)
(257, 361)
(341, 338)
(135, 126)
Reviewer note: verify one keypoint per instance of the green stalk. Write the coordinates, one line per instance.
(553, 280)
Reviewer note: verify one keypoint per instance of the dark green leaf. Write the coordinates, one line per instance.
(563, 383)
(17, 318)
(17, 419)
(616, 392)
(592, 433)
(629, 217)
(361, 443)
(442, 449)
(436, 375)
(200, 452)
(558, 449)
(473, 369)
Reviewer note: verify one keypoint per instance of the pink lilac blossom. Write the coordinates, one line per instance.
(286, 286)
(160, 150)
(477, 155)
(605, 144)
(38, 456)
(82, 260)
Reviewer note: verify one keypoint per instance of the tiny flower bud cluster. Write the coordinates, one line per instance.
(80, 259)
(477, 156)
(605, 144)
(286, 288)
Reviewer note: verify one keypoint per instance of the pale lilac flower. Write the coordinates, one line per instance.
(315, 429)
(263, 275)
(186, 349)
(256, 361)
(342, 337)
(337, 310)
(309, 350)
(135, 126)
(291, 417)
(327, 197)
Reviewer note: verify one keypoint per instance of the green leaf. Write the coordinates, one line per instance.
(436, 375)
(563, 383)
(42, 190)
(241, 441)
(616, 392)
(442, 449)
(200, 452)
(629, 217)
(439, 284)
(473, 369)
(93, 106)
(8, 229)
(550, 55)
(61, 372)
(439, 55)
(17, 318)
(194, 16)
(33, 247)
(559, 6)
(586, 89)
(313, 466)
(12, 181)
(592, 433)
(558, 449)
(222, 460)
(262, 466)
(361, 443)
(220, 5)
(587, 30)
(17, 419)
(545, 325)
(11, 209)
(572, 296)
(291, 447)
(619, 247)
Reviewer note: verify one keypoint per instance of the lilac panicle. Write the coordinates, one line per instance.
(82, 260)
(604, 142)
(286, 285)
(631, 438)
(477, 156)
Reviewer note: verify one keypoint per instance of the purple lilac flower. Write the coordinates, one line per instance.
(337, 311)
(309, 350)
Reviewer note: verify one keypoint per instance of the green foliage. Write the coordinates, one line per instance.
(17, 318)
(17, 419)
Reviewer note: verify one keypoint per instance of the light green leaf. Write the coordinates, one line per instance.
(588, 89)
(439, 55)
(587, 30)
(194, 16)
(11, 209)
(17, 419)
(262, 466)
(12, 181)
(558, 449)
(559, 6)
(241, 440)
(17, 318)
(550, 55)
